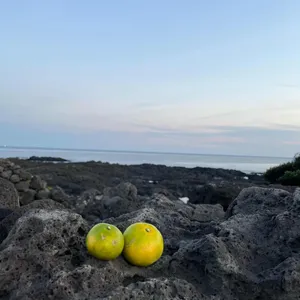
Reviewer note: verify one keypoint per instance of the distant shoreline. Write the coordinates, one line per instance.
(60, 160)
(137, 152)
(246, 164)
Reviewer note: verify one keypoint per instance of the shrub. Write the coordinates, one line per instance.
(273, 174)
(296, 161)
(285, 174)
(290, 178)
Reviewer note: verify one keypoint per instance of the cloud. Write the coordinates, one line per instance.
(205, 126)
(161, 119)
(239, 141)
(289, 86)
(243, 140)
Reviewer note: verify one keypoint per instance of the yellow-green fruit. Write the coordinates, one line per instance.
(144, 244)
(105, 241)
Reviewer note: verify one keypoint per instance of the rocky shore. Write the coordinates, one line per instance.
(200, 185)
(236, 238)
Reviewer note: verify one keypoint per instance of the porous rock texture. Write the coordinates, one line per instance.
(200, 185)
(19, 187)
(250, 252)
(9, 197)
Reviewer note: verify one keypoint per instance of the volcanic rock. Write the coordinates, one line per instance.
(37, 183)
(27, 197)
(15, 178)
(10, 217)
(249, 252)
(9, 197)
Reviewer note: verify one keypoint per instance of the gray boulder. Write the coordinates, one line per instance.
(12, 216)
(15, 178)
(9, 197)
(27, 197)
(6, 174)
(261, 200)
(59, 195)
(44, 248)
(114, 202)
(24, 175)
(124, 190)
(37, 183)
(253, 252)
(43, 194)
(22, 186)
(6, 164)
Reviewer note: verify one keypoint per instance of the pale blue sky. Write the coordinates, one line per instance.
(183, 76)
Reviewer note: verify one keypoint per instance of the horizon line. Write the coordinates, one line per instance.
(132, 151)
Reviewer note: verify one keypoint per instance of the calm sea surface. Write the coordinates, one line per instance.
(243, 163)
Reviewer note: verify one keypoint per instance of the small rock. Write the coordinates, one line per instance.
(1, 169)
(88, 197)
(24, 175)
(5, 163)
(15, 178)
(9, 197)
(6, 174)
(22, 186)
(58, 195)
(27, 197)
(37, 183)
(15, 167)
(114, 202)
(124, 190)
(42, 194)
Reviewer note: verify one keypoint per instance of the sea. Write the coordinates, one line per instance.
(247, 164)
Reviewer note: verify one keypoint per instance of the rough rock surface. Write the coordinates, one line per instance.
(11, 216)
(222, 192)
(121, 199)
(9, 197)
(23, 186)
(200, 185)
(251, 251)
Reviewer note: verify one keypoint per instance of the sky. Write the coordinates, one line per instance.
(194, 76)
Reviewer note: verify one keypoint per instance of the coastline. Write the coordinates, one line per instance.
(246, 164)
(199, 184)
(136, 152)
(210, 219)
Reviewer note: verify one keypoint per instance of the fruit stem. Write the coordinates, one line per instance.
(147, 229)
(108, 227)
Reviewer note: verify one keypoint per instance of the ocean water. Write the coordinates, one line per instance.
(246, 164)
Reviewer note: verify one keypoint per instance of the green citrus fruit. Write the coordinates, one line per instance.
(143, 244)
(105, 241)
